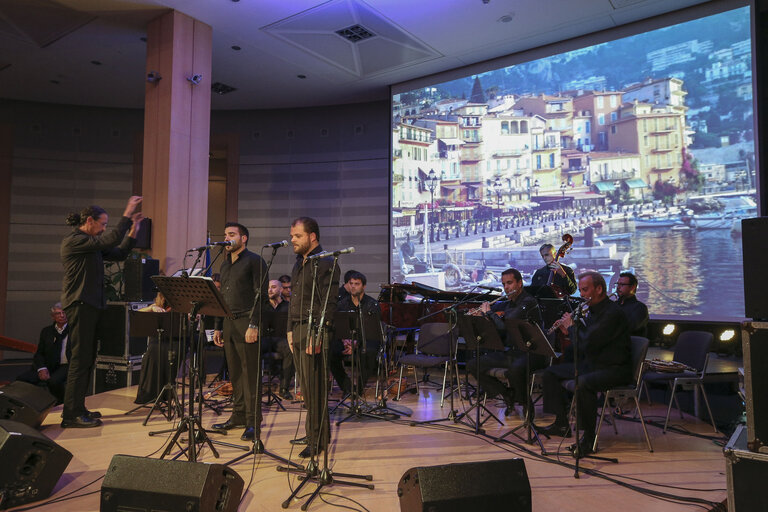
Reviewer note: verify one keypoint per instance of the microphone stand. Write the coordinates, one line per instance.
(577, 454)
(312, 472)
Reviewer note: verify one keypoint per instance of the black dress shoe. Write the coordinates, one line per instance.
(301, 440)
(307, 452)
(556, 429)
(583, 447)
(94, 415)
(80, 422)
(285, 394)
(248, 434)
(228, 425)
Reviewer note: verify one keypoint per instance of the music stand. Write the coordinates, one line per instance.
(527, 337)
(147, 324)
(347, 327)
(193, 296)
(275, 325)
(479, 331)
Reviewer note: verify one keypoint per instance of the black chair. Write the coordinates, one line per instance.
(639, 347)
(434, 348)
(691, 351)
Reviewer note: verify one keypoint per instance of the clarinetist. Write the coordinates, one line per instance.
(518, 304)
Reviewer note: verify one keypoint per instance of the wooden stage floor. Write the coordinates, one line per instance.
(681, 465)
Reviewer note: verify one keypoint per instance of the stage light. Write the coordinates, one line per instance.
(727, 335)
(668, 329)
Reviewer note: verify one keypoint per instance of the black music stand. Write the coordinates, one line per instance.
(347, 327)
(147, 324)
(479, 331)
(528, 338)
(275, 325)
(193, 296)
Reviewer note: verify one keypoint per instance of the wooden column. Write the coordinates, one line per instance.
(177, 117)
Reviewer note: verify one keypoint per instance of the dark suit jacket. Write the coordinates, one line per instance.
(48, 354)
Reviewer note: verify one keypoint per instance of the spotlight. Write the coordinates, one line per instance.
(668, 329)
(727, 335)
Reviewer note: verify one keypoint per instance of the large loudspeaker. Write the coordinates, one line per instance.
(31, 464)
(488, 485)
(140, 484)
(137, 274)
(754, 243)
(25, 403)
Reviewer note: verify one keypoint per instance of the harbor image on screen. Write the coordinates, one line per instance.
(642, 149)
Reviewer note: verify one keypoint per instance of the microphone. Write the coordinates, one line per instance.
(275, 245)
(225, 243)
(331, 253)
(491, 288)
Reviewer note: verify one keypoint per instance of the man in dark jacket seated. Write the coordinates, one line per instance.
(604, 360)
(51, 360)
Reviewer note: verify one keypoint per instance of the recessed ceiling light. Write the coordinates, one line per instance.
(236, 48)
(506, 18)
(301, 77)
(220, 88)
(96, 63)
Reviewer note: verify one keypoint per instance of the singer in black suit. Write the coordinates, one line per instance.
(302, 337)
(51, 360)
(521, 305)
(604, 359)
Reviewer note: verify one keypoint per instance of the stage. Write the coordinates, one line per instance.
(681, 465)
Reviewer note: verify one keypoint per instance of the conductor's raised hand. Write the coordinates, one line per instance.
(133, 203)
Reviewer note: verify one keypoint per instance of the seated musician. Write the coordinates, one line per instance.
(603, 353)
(154, 361)
(356, 301)
(275, 344)
(552, 275)
(522, 305)
(636, 311)
(51, 360)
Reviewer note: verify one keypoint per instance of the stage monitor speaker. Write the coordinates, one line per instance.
(137, 275)
(32, 464)
(25, 403)
(487, 485)
(140, 484)
(754, 244)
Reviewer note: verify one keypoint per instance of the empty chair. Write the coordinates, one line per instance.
(435, 347)
(692, 349)
(639, 348)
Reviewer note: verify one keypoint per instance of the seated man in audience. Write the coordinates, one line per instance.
(359, 304)
(636, 311)
(278, 344)
(51, 360)
(518, 304)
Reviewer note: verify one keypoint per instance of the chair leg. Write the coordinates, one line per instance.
(600, 422)
(706, 402)
(669, 409)
(642, 423)
(442, 392)
(399, 382)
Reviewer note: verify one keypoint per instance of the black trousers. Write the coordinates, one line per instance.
(85, 323)
(243, 364)
(314, 386)
(55, 385)
(515, 363)
(280, 346)
(591, 381)
(365, 364)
